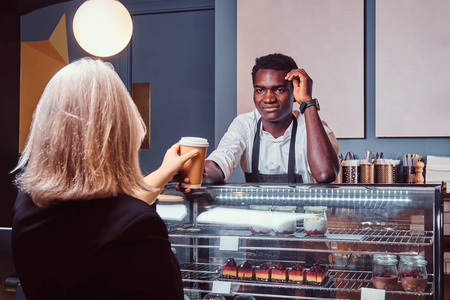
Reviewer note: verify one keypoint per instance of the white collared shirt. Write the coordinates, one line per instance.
(237, 143)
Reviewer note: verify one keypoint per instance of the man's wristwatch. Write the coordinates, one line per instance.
(306, 104)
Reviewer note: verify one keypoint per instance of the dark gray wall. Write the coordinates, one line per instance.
(174, 51)
(226, 82)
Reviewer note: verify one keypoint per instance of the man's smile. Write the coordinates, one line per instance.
(271, 108)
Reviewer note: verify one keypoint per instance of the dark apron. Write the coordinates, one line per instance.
(290, 177)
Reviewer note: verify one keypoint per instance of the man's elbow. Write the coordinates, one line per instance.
(326, 177)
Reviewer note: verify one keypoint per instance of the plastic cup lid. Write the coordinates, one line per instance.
(194, 141)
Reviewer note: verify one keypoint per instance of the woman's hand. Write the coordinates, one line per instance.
(173, 163)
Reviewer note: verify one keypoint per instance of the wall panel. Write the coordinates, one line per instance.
(325, 37)
(412, 67)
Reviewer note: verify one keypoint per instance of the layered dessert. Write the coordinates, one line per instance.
(284, 226)
(295, 274)
(315, 225)
(246, 271)
(279, 273)
(230, 269)
(384, 281)
(414, 281)
(263, 272)
(317, 274)
(259, 229)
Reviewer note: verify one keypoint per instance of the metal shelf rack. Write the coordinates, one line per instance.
(339, 280)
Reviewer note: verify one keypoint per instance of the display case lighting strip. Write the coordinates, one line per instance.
(292, 198)
(316, 195)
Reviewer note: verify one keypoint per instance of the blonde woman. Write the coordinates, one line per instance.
(85, 226)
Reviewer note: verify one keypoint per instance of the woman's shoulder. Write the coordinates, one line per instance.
(132, 204)
(136, 217)
(111, 216)
(127, 208)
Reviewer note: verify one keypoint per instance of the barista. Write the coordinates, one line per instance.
(273, 143)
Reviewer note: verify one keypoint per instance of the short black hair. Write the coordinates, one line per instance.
(275, 61)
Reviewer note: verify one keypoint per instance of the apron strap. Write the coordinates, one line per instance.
(291, 164)
(254, 175)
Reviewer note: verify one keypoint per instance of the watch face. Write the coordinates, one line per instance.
(317, 104)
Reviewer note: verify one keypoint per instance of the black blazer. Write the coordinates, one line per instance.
(112, 248)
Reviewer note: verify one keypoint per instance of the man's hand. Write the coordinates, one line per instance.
(302, 85)
(213, 174)
(178, 178)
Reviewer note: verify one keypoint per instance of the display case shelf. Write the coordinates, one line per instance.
(338, 280)
(360, 236)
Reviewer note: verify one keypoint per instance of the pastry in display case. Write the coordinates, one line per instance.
(263, 272)
(385, 275)
(317, 274)
(296, 274)
(315, 222)
(307, 241)
(246, 271)
(413, 274)
(279, 273)
(230, 270)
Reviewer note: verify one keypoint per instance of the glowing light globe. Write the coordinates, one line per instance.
(102, 27)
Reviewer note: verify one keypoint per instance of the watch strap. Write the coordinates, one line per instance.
(309, 103)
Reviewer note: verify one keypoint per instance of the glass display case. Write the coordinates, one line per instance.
(308, 241)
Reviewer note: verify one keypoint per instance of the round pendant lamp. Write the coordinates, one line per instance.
(102, 28)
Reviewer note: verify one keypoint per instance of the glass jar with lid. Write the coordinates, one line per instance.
(385, 256)
(414, 274)
(385, 275)
(404, 258)
(315, 222)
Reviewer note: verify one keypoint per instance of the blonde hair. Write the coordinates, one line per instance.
(84, 139)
